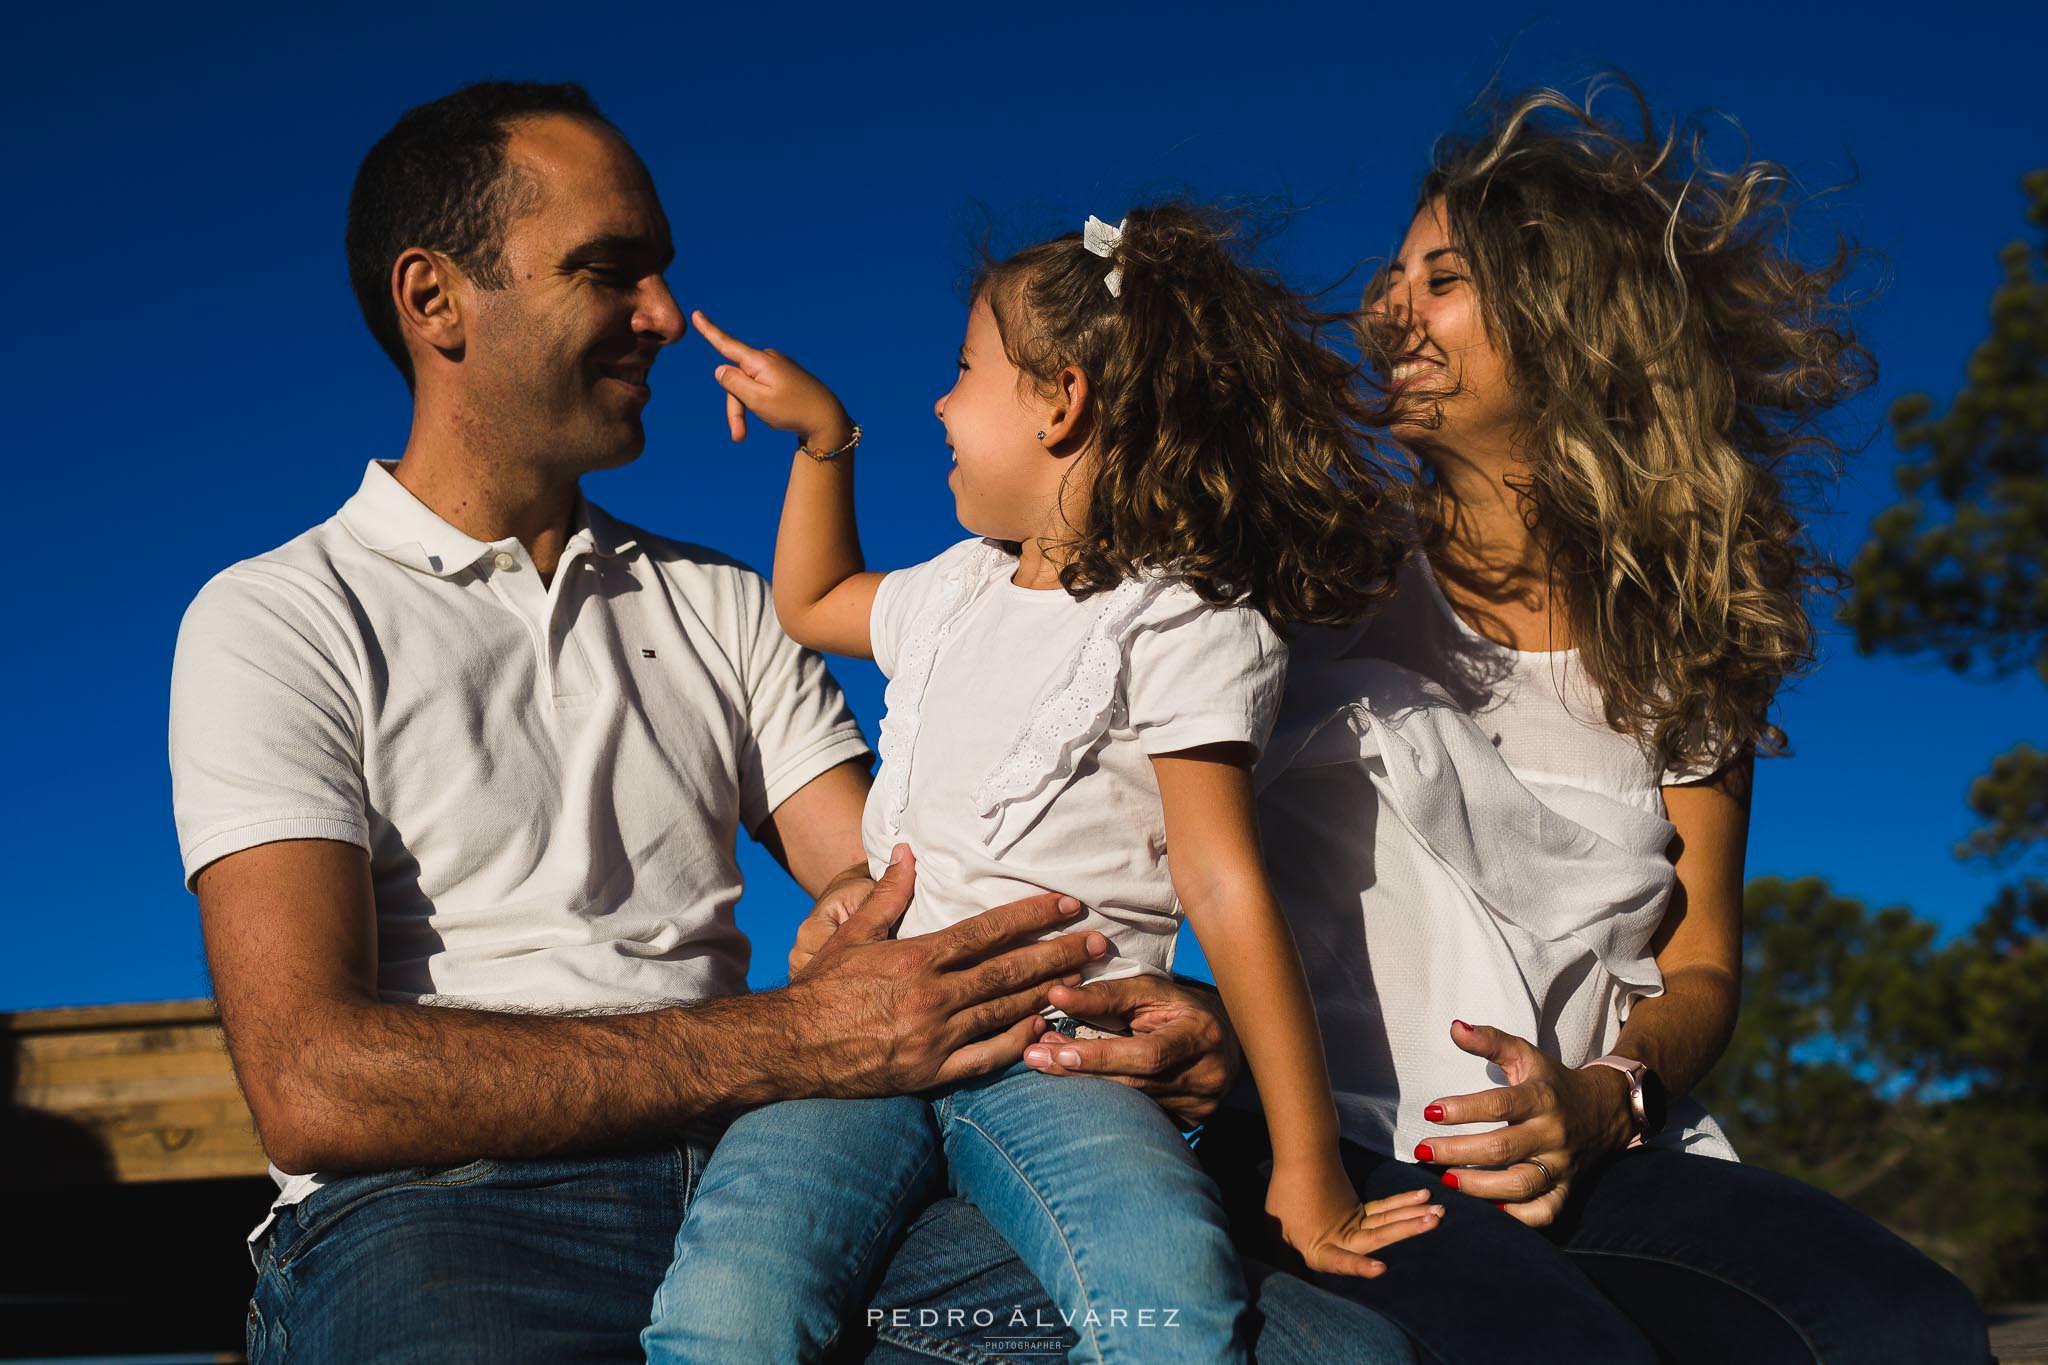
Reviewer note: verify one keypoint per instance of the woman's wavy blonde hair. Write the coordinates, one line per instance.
(1672, 357)
(1231, 445)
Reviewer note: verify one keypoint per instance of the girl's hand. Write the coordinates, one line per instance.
(775, 389)
(1321, 1219)
(1560, 1122)
(840, 898)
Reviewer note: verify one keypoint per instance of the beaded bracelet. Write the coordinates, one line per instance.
(822, 456)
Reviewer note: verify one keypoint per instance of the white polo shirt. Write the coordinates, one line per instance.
(548, 778)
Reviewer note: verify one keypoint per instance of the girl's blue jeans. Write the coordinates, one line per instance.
(556, 1260)
(803, 1203)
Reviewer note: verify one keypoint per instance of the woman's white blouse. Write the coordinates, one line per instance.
(1455, 833)
(1021, 727)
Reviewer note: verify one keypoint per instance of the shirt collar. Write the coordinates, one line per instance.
(387, 518)
(609, 536)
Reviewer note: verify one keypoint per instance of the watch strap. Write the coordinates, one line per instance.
(1639, 1118)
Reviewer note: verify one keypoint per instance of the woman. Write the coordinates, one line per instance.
(1520, 795)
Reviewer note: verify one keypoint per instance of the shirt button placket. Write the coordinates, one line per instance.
(569, 669)
(516, 595)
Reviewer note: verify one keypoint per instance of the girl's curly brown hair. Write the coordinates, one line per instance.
(1230, 445)
(1672, 357)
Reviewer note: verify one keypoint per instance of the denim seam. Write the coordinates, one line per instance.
(276, 1338)
(688, 1172)
(1742, 1289)
(311, 1232)
(940, 1348)
(874, 1236)
(1073, 1259)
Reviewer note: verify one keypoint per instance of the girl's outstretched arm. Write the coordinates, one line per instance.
(1212, 847)
(823, 594)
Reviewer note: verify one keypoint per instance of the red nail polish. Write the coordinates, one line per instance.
(1502, 1207)
(1434, 1113)
(1422, 1152)
(1451, 1179)
(1460, 1023)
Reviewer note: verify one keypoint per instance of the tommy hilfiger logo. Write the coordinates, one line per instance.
(646, 653)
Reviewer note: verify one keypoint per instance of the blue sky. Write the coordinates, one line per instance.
(188, 381)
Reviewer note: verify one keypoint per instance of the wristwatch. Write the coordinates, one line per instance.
(1646, 1099)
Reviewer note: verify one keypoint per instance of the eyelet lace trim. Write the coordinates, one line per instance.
(1070, 717)
(903, 699)
(1065, 723)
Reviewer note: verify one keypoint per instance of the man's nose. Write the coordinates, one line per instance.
(658, 314)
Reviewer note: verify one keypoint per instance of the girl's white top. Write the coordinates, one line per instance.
(1021, 727)
(1456, 833)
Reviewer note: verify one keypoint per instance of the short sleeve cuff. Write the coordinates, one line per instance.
(1191, 732)
(218, 843)
(1693, 774)
(842, 745)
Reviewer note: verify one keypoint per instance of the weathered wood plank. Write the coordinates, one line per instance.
(2019, 1333)
(126, 1093)
(114, 1092)
(37, 1073)
(174, 1152)
(107, 1016)
(121, 1041)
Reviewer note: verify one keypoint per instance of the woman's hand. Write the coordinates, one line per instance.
(775, 389)
(1319, 1216)
(1560, 1123)
(1181, 1052)
(840, 898)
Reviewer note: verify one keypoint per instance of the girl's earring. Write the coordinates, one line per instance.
(1041, 436)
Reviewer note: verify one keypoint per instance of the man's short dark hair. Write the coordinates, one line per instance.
(439, 179)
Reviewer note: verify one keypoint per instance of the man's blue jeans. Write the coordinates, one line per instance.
(1089, 1181)
(543, 1261)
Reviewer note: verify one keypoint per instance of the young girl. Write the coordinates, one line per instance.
(1159, 462)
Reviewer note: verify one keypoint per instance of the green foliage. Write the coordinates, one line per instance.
(1907, 1078)
(2012, 800)
(1957, 569)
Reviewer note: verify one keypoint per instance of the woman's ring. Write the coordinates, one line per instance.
(1549, 1179)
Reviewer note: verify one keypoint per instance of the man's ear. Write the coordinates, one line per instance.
(423, 287)
(1072, 416)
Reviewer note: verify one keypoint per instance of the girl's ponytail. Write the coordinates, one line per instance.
(1233, 447)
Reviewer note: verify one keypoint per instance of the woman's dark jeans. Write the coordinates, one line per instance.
(1661, 1257)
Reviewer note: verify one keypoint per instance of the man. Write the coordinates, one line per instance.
(458, 777)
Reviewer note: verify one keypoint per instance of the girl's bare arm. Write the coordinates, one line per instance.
(823, 592)
(1220, 877)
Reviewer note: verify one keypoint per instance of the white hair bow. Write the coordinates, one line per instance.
(1103, 240)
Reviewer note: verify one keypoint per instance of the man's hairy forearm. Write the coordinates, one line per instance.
(340, 1080)
(362, 1084)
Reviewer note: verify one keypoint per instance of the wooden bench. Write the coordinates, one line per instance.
(130, 1174)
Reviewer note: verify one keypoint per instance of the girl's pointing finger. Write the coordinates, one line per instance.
(733, 349)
